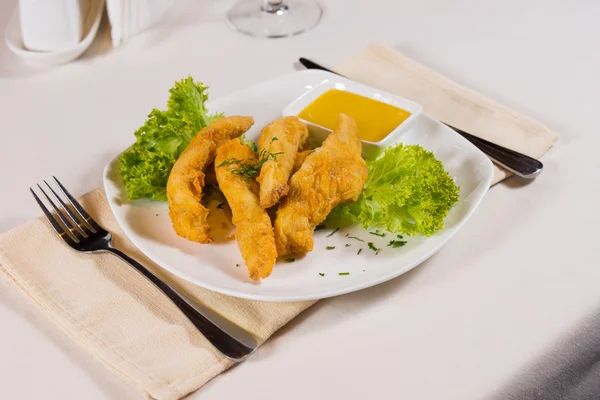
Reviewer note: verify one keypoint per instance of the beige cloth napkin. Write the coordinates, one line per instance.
(114, 313)
(383, 67)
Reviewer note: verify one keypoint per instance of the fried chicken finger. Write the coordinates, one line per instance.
(254, 232)
(281, 139)
(186, 180)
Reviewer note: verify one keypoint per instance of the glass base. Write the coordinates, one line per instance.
(271, 20)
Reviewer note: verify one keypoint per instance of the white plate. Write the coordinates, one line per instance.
(213, 266)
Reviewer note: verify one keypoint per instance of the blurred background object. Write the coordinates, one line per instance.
(130, 17)
(50, 25)
(55, 32)
(52, 32)
(274, 18)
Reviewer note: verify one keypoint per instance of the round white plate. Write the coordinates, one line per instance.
(315, 275)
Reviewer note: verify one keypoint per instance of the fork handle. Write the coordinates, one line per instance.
(221, 335)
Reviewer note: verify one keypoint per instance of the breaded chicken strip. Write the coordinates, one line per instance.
(332, 173)
(282, 138)
(300, 157)
(186, 180)
(254, 232)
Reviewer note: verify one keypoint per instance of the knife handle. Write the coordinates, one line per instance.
(517, 163)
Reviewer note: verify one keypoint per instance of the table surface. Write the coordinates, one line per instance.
(508, 308)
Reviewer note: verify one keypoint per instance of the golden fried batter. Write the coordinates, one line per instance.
(282, 138)
(254, 232)
(300, 157)
(186, 180)
(332, 173)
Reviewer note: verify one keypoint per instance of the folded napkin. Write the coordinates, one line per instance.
(381, 66)
(110, 310)
(113, 312)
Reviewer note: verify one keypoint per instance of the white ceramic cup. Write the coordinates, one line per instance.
(50, 25)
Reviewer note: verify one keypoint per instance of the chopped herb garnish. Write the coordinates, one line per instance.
(396, 243)
(400, 237)
(344, 273)
(372, 247)
(249, 171)
(322, 274)
(237, 265)
(347, 245)
(334, 231)
(220, 206)
(359, 251)
(377, 234)
(319, 227)
(290, 259)
(275, 138)
(227, 162)
(329, 247)
(353, 237)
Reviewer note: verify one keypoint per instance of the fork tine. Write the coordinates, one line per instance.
(64, 208)
(64, 219)
(57, 227)
(89, 221)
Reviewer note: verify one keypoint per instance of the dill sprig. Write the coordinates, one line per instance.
(249, 171)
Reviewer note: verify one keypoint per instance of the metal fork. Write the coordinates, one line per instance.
(75, 226)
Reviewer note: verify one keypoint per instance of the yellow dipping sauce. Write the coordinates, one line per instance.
(374, 118)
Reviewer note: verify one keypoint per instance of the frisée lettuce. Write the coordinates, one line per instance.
(146, 165)
(407, 191)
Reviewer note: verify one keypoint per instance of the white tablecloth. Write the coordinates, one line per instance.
(510, 308)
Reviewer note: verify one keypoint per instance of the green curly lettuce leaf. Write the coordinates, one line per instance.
(146, 165)
(407, 191)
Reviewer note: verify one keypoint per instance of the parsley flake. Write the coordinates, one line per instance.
(353, 237)
(377, 234)
(334, 231)
(372, 247)
(396, 243)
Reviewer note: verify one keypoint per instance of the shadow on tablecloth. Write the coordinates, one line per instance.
(569, 371)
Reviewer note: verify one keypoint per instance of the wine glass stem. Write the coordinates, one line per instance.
(273, 6)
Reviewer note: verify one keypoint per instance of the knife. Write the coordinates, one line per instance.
(517, 163)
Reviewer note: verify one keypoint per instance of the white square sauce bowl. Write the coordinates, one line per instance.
(371, 149)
